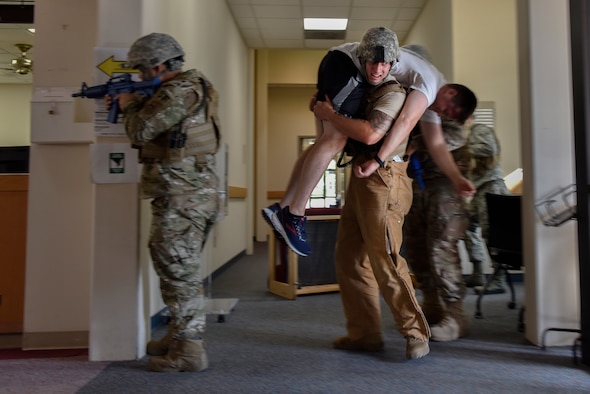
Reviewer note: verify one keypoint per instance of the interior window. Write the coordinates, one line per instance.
(329, 192)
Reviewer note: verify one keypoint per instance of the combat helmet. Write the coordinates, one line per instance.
(153, 49)
(379, 44)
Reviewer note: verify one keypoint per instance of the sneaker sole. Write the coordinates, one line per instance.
(267, 215)
(278, 226)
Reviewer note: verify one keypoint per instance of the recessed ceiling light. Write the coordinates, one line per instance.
(325, 23)
(32, 30)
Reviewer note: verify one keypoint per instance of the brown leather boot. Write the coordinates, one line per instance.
(432, 307)
(159, 347)
(455, 325)
(184, 355)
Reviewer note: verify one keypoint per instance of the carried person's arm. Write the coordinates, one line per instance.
(414, 106)
(434, 140)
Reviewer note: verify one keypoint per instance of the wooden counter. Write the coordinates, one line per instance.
(13, 234)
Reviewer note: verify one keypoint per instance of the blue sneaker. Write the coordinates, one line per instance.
(292, 228)
(268, 213)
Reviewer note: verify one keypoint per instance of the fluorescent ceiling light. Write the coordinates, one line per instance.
(324, 23)
(31, 30)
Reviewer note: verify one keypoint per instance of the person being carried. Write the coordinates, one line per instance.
(345, 84)
(183, 185)
(429, 98)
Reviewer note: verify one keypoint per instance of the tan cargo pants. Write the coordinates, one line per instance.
(367, 255)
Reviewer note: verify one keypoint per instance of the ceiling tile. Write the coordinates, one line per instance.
(277, 11)
(270, 24)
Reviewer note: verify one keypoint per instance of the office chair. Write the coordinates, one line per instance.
(504, 243)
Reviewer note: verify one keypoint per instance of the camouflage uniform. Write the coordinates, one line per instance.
(437, 221)
(184, 205)
(369, 238)
(488, 177)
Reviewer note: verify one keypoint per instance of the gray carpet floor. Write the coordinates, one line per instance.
(272, 345)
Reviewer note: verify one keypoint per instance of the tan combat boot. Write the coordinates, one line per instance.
(432, 307)
(455, 325)
(159, 347)
(184, 355)
(416, 348)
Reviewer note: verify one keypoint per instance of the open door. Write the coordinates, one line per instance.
(580, 49)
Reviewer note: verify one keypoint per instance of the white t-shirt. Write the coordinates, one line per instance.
(412, 71)
(415, 72)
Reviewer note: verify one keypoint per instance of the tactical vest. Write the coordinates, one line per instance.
(461, 152)
(355, 148)
(197, 135)
(481, 165)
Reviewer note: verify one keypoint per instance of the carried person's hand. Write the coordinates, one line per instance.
(464, 187)
(313, 100)
(323, 109)
(365, 169)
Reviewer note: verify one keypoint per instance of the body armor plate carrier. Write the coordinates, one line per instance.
(197, 135)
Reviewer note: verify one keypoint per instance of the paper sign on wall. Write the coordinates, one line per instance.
(114, 163)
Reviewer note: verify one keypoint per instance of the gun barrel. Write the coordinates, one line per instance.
(81, 92)
(98, 91)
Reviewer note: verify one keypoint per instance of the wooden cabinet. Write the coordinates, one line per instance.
(13, 234)
(291, 275)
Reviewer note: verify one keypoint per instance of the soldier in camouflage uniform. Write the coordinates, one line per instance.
(488, 177)
(436, 222)
(183, 186)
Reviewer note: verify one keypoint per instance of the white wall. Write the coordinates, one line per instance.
(551, 260)
(15, 112)
(474, 51)
(214, 46)
(434, 30)
(61, 197)
(485, 59)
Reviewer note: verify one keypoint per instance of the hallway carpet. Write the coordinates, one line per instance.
(272, 345)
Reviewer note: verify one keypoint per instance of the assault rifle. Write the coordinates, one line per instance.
(116, 85)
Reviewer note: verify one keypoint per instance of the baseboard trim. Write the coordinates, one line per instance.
(55, 340)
